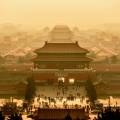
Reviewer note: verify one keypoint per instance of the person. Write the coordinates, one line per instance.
(78, 118)
(1, 116)
(11, 116)
(68, 117)
(20, 116)
(16, 117)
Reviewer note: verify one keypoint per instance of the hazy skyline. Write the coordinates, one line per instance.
(51, 12)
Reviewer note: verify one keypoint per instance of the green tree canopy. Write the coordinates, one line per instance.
(91, 92)
(30, 90)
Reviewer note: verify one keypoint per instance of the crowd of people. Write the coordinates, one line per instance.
(63, 98)
(109, 114)
(12, 116)
(60, 102)
(60, 97)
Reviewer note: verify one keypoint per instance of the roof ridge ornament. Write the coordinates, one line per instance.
(46, 42)
(76, 42)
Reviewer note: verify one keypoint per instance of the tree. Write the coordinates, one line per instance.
(91, 92)
(30, 89)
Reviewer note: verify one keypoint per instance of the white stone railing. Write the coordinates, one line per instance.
(85, 69)
(64, 70)
(46, 70)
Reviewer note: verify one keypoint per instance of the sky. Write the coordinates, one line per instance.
(84, 13)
